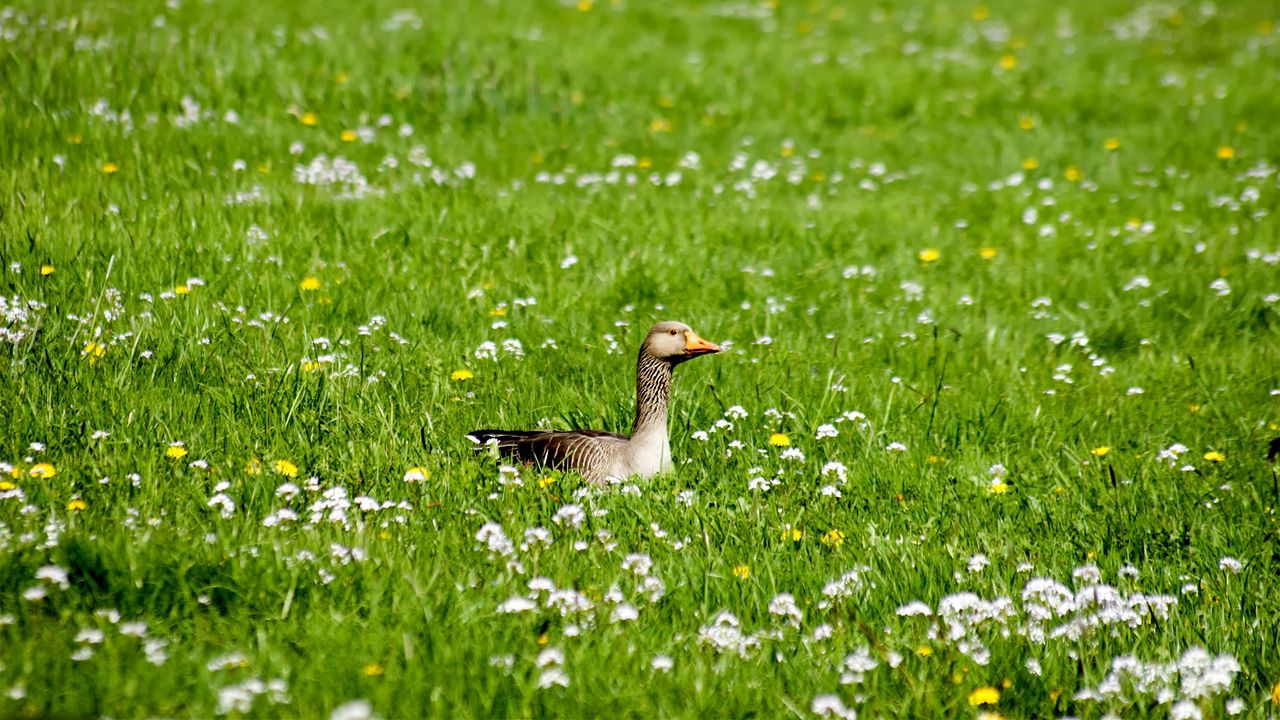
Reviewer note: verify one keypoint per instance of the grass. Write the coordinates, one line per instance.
(887, 209)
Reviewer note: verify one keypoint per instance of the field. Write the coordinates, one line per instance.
(999, 288)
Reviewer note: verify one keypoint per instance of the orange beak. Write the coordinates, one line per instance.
(694, 345)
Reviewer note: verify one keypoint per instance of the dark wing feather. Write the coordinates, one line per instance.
(580, 450)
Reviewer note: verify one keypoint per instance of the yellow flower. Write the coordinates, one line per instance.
(742, 572)
(416, 474)
(349, 136)
(43, 471)
(987, 253)
(929, 255)
(585, 5)
(1112, 144)
(1275, 693)
(110, 168)
(1026, 122)
(981, 13)
(311, 365)
(576, 97)
(5, 486)
(1008, 62)
(93, 351)
(46, 269)
(253, 467)
(659, 125)
(545, 481)
(1072, 174)
(462, 374)
(77, 505)
(1030, 163)
(75, 138)
(175, 450)
(1214, 456)
(998, 487)
(833, 537)
(924, 651)
(373, 670)
(286, 468)
(182, 290)
(644, 163)
(310, 283)
(309, 119)
(779, 440)
(1226, 152)
(792, 534)
(986, 695)
(500, 311)
(341, 78)
(988, 715)
(1101, 451)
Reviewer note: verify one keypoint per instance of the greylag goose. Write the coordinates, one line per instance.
(598, 455)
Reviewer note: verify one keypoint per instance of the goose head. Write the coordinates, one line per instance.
(675, 342)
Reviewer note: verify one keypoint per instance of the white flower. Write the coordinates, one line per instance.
(827, 431)
(553, 676)
(571, 515)
(353, 710)
(624, 612)
(896, 447)
(1231, 565)
(516, 604)
(662, 663)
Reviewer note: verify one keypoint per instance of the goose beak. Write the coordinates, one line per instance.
(695, 346)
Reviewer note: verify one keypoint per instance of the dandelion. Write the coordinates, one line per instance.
(286, 468)
(929, 255)
(924, 651)
(779, 440)
(42, 471)
(1030, 163)
(309, 119)
(253, 467)
(792, 534)
(349, 136)
(1214, 456)
(987, 253)
(742, 572)
(77, 505)
(986, 695)
(1008, 61)
(46, 270)
(462, 374)
(1073, 174)
(176, 450)
(1026, 122)
(310, 283)
(1226, 152)
(93, 351)
(998, 487)
(373, 670)
(110, 168)
(416, 474)
(1112, 144)
(585, 5)
(659, 125)
(1101, 451)
(833, 538)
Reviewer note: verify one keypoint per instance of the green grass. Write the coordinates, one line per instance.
(884, 128)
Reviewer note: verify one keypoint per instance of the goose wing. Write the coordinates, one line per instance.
(585, 451)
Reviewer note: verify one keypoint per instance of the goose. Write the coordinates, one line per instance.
(600, 456)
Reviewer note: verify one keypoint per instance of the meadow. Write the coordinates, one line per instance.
(998, 285)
